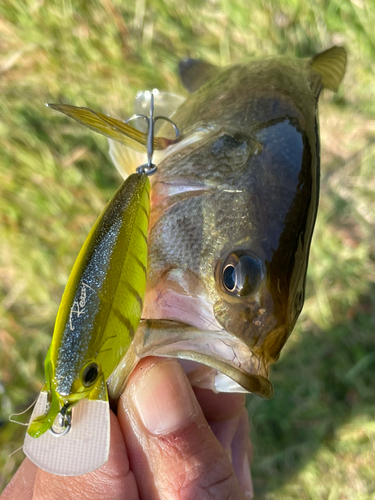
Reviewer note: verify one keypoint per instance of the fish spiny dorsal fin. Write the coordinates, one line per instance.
(194, 73)
(330, 65)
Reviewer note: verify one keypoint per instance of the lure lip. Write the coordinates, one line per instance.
(83, 449)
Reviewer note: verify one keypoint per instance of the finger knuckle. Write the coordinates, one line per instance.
(216, 483)
(200, 473)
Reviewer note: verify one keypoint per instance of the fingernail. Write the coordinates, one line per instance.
(163, 398)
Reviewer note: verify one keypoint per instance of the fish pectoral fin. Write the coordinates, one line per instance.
(165, 104)
(125, 159)
(41, 422)
(111, 128)
(331, 66)
(194, 73)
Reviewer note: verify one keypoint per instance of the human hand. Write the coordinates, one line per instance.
(166, 443)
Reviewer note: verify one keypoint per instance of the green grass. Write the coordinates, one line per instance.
(316, 438)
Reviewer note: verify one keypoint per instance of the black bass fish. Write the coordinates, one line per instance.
(233, 207)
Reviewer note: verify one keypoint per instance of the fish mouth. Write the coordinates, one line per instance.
(212, 359)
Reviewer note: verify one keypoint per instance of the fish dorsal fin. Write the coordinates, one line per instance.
(194, 73)
(330, 65)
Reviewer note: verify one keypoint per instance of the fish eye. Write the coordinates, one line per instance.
(229, 277)
(241, 274)
(90, 374)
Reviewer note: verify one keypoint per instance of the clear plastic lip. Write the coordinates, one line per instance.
(228, 364)
(83, 449)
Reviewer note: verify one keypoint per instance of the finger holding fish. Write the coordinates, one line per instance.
(214, 435)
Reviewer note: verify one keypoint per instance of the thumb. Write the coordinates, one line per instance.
(173, 452)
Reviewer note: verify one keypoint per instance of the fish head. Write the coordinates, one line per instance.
(233, 207)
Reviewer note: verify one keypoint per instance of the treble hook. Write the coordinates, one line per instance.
(150, 168)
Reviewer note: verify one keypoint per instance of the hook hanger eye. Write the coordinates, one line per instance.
(65, 421)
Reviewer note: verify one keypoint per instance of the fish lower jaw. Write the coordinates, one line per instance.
(213, 360)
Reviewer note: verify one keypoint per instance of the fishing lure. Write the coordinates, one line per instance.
(99, 313)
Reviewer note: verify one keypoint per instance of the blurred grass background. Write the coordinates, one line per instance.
(316, 438)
